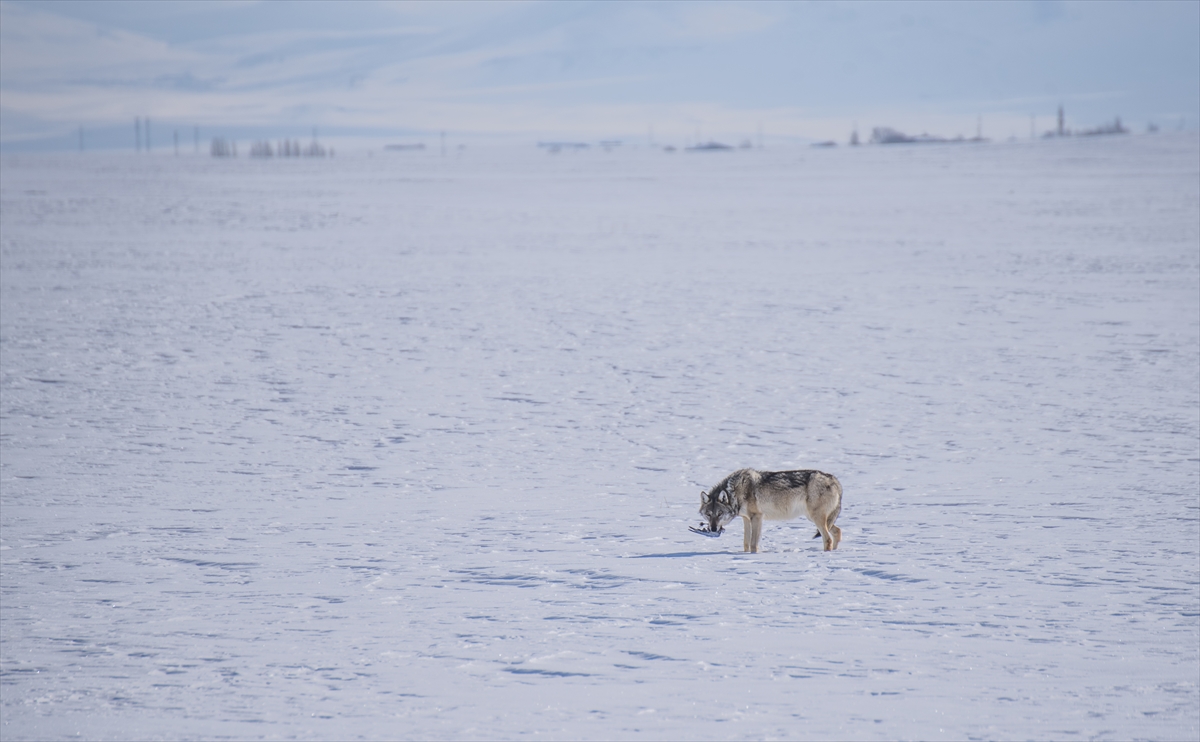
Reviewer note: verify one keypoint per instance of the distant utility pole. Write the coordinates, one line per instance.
(177, 142)
(1061, 127)
(137, 134)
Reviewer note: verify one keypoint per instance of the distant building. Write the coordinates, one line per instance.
(888, 135)
(1105, 129)
(1115, 127)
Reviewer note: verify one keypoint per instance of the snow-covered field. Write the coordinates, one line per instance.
(407, 447)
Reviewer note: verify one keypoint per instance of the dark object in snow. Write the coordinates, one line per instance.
(703, 530)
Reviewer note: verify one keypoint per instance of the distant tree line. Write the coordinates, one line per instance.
(222, 147)
(288, 148)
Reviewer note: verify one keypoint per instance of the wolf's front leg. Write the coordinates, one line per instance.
(746, 528)
(755, 531)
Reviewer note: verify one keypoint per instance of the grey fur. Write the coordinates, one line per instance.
(774, 495)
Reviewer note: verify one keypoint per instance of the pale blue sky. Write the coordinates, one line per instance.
(531, 70)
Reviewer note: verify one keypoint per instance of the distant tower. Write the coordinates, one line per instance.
(1062, 130)
(854, 135)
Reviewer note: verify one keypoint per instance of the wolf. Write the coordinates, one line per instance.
(774, 495)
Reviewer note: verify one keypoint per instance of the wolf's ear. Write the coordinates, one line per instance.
(703, 496)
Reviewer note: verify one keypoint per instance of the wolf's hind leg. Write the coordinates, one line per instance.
(831, 533)
(746, 528)
(834, 530)
(823, 532)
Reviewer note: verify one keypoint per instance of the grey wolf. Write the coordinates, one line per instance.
(773, 495)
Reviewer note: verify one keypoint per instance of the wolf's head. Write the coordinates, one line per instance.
(718, 508)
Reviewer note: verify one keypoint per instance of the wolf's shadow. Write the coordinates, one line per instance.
(685, 554)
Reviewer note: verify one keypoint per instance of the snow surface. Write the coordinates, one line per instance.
(406, 446)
